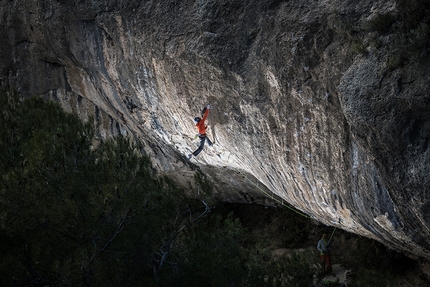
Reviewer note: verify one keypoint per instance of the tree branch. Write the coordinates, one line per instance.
(165, 249)
(118, 231)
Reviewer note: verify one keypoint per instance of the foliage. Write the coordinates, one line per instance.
(75, 213)
(349, 31)
(215, 256)
(408, 29)
(298, 230)
(374, 278)
(413, 33)
(381, 23)
(358, 46)
(413, 12)
(295, 270)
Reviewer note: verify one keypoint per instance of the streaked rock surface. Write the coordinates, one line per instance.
(337, 134)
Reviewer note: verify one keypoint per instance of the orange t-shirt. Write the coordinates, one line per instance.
(201, 127)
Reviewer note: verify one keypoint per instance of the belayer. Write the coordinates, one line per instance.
(323, 248)
(201, 127)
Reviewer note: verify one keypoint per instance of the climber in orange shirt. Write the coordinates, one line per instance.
(201, 127)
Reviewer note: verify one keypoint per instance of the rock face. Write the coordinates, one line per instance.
(298, 114)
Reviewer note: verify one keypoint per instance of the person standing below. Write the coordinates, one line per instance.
(201, 127)
(323, 248)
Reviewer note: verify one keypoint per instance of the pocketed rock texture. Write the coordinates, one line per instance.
(299, 113)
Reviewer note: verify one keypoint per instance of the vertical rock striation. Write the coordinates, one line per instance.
(342, 136)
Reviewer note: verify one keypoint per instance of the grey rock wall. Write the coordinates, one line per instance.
(297, 115)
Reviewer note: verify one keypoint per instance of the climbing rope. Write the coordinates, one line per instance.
(332, 235)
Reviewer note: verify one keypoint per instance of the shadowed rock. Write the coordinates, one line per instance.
(299, 117)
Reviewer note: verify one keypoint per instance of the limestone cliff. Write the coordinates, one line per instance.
(304, 105)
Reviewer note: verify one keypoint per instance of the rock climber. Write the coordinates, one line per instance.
(323, 248)
(201, 127)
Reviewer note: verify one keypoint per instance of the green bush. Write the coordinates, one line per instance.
(381, 23)
(71, 212)
(293, 270)
(408, 27)
(412, 36)
(358, 46)
(412, 13)
(374, 278)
